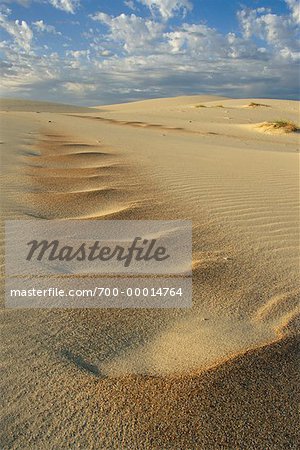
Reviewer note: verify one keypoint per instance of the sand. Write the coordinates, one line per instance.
(221, 375)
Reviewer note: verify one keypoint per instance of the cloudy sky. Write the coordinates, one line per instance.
(94, 52)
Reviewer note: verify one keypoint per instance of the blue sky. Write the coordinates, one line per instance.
(94, 52)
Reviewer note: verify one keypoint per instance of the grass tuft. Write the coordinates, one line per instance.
(200, 106)
(255, 105)
(284, 125)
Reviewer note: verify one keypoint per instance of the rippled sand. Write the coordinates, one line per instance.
(221, 375)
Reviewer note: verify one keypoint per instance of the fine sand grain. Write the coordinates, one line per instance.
(221, 375)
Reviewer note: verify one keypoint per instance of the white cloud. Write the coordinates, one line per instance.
(20, 2)
(105, 53)
(294, 6)
(131, 31)
(130, 4)
(68, 6)
(19, 30)
(168, 8)
(41, 26)
(79, 88)
(23, 72)
(196, 40)
(79, 53)
(279, 32)
(129, 57)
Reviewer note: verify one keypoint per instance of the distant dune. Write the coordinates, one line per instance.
(14, 104)
(220, 375)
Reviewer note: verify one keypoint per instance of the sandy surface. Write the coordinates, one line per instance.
(219, 376)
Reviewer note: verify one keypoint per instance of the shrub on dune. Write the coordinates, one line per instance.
(256, 105)
(281, 125)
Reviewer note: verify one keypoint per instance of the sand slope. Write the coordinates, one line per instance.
(204, 378)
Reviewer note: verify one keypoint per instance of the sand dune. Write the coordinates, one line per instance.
(161, 379)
